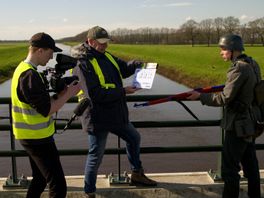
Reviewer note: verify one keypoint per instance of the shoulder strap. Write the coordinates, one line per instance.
(251, 63)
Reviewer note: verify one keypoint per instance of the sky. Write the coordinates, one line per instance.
(19, 20)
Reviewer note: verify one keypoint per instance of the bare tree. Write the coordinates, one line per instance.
(245, 33)
(231, 24)
(218, 26)
(253, 26)
(190, 29)
(261, 29)
(207, 31)
(206, 27)
(257, 29)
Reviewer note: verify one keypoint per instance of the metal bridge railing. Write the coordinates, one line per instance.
(14, 181)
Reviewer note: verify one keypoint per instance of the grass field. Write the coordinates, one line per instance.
(10, 56)
(192, 66)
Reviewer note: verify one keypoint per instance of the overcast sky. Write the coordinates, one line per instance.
(20, 19)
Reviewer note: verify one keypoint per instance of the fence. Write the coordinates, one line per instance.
(14, 181)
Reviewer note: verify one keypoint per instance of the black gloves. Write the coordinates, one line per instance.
(136, 63)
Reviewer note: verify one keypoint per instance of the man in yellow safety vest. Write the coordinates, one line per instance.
(101, 77)
(32, 109)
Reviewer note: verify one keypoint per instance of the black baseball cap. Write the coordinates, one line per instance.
(43, 40)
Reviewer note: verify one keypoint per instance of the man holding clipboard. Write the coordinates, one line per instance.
(102, 75)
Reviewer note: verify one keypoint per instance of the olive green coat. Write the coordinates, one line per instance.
(238, 95)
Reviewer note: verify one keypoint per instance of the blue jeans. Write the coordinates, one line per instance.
(97, 142)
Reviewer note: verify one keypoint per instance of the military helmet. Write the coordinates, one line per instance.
(231, 42)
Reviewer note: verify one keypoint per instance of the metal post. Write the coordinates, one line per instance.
(13, 181)
(13, 148)
(119, 179)
(119, 160)
(216, 174)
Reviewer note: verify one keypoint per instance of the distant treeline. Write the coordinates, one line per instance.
(207, 32)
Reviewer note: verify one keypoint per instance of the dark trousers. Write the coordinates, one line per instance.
(46, 169)
(237, 151)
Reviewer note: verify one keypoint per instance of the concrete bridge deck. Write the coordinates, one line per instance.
(170, 185)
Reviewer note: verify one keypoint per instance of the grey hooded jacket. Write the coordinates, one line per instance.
(237, 97)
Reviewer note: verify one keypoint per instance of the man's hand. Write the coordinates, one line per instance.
(136, 63)
(73, 88)
(194, 95)
(62, 97)
(130, 89)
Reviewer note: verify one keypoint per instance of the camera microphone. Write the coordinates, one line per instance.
(78, 111)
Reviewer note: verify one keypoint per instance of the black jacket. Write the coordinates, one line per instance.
(109, 108)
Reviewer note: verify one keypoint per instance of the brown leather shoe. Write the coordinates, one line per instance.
(140, 179)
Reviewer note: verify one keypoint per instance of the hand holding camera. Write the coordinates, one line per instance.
(57, 82)
(74, 87)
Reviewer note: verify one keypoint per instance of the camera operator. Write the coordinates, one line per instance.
(32, 109)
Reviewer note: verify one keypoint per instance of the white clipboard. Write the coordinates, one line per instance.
(144, 76)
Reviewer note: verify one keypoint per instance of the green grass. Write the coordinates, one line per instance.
(10, 56)
(197, 62)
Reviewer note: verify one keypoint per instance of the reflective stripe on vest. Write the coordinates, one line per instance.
(27, 122)
(80, 94)
(24, 111)
(22, 125)
(99, 72)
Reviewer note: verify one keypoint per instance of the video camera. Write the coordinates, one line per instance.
(56, 81)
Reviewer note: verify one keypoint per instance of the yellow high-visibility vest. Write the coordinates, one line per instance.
(27, 122)
(99, 72)
(100, 75)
